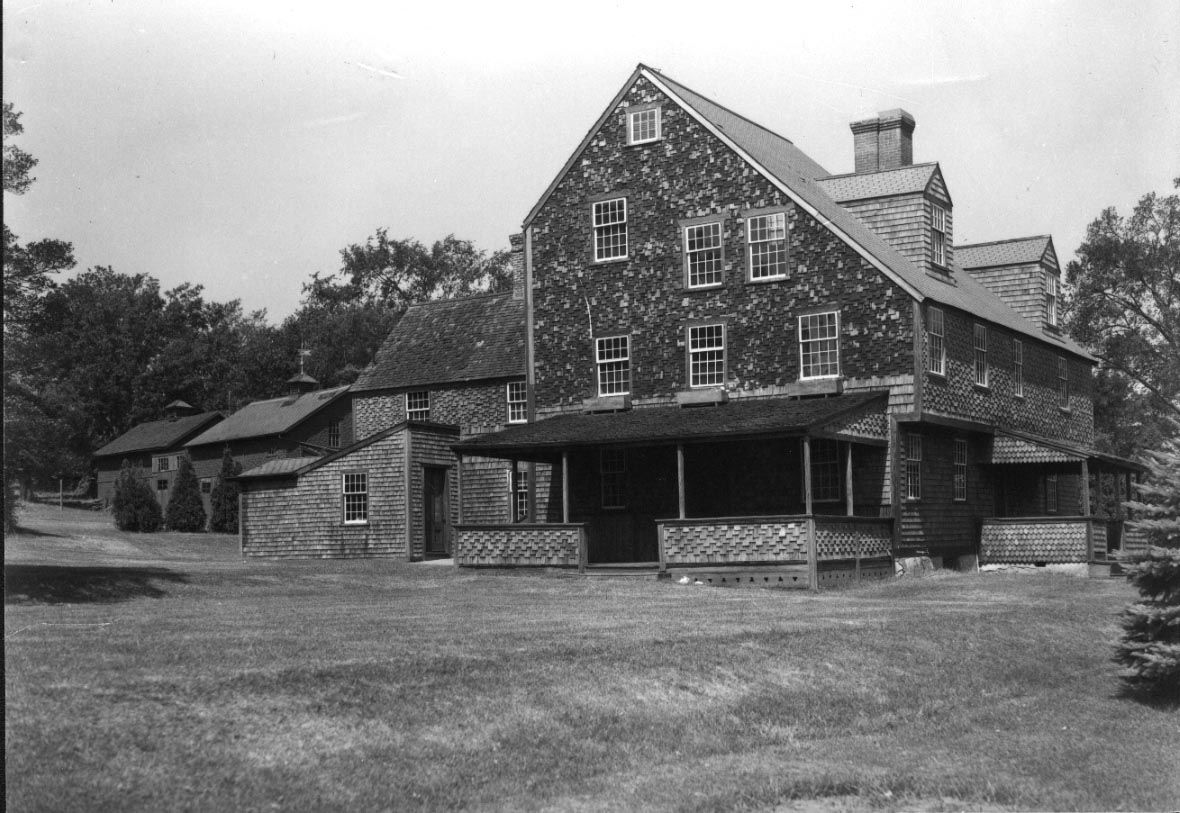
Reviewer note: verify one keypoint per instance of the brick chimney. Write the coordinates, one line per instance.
(517, 243)
(885, 142)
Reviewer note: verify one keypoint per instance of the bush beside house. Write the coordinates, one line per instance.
(134, 506)
(185, 510)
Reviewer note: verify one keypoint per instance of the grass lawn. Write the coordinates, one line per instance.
(164, 672)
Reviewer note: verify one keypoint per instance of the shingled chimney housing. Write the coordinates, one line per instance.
(886, 142)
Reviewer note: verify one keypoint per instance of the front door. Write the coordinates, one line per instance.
(434, 496)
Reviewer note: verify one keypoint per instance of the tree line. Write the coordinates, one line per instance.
(89, 357)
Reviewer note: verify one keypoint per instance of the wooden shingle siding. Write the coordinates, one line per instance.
(430, 448)
(474, 406)
(1033, 541)
(937, 524)
(485, 491)
(304, 517)
(1021, 286)
(900, 221)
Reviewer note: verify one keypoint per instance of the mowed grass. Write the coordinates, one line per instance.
(163, 672)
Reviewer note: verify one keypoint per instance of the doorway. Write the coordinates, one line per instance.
(437, 511)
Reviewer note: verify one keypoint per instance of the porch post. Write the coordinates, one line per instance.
(807, 474)
(1125, 509)
(680, 476)
(459, 485)
(1085, 488)
(848, 477)
(565, 487)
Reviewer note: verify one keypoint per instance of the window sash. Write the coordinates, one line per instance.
(613, 356)
(354, 486)
(1017, 367)
(936, 341)
(1050, 493)
(766, 236)
(938, 234)
(643, 126)
(517, 397)
(702, 250)
(981, 355)
(913, 467)
(960, 470)
(826, 482)
(418, 405)
(520, 496)
(706, 355)
(1062, 382)
(610, 229)
(612, 468)
(164, 463)
(1050, 298)
(819, 345)
(334, 433)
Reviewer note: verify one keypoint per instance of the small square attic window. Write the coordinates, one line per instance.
(643, 126)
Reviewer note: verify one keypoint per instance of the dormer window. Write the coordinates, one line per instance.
(1051, 298)
(643, 126)
(938, 234)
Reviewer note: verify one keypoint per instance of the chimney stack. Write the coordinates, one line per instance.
(517, 243)
(885, 142)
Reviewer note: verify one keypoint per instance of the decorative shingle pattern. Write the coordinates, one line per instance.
(452, 340)
(1020, 251)
(899, 181)
(1029, 542)
(519, 546)
(705, 542)
(837, 538)
(154, 435)
(274, 416)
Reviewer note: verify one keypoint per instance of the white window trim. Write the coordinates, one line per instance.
(426, 409)
(980, 355)
(959, 471)
(595, 226)
(345, 494)
(799, 339)
(719, 248)
(750, 243)
(1018, 368)
(938, 227)
(1062, 382)
(518, 494)
(1052, 496)
(913, 442)
(523, 402)
(941, 334)
(1051, 297)
(724, 355)
(633, 114)
(598, 363)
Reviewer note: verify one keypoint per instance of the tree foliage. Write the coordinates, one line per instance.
(185, 510)
(17, 163)
(1125, 307)
(134, 506)
(224, 499)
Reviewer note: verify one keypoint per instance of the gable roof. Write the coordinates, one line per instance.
(159, 435)
(1018, 251)
(451, 340)
(909, 180)
(274, 416)
(741, 418)
(789, 169)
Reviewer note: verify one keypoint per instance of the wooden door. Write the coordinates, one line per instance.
(437, 515)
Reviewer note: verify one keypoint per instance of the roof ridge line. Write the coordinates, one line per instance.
(876, 172)
(449, 299)
(1005, 240)
(733, 113)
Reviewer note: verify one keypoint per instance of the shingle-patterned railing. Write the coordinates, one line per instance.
(852, 537)
(1047, 540)
(521, 545)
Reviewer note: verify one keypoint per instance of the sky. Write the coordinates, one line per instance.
(241, 146)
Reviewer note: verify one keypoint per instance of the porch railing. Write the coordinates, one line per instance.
(521, 545)
(1043, 540)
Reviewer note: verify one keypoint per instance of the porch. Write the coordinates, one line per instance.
(770, 491)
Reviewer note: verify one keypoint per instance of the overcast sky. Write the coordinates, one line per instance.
(242, 145)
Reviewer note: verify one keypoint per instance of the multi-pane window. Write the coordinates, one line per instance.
(1017, 367)
(938, 234)
(1050, 298)
(613, 356)
(767, 239)
(517, 402)
(913, 467)
(610, 229)
(163, 463)
(702, 248)
(334, 434)
(960, 474)
(825, 470)
(207, 485)
(1051, 494)
(819, 345)
(1062, 382)
(706, 355)
(355, 488)
(643, 125)
(418, 405)
(161, 485)
(520, 496)
(612, 467)
(936, 341)
(981, 355)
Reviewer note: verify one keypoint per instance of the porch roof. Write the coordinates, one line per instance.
(737, 419)
(1012, 446)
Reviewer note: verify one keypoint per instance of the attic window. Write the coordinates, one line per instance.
(938, 234)
(643, 126)
(1051, 298)
(418, 406)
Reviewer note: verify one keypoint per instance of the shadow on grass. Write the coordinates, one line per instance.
(20, 530)
(1164, 698)
(44, 584)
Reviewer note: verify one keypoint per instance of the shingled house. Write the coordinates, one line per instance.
(448, 370)
(154, 448)
(740, 363)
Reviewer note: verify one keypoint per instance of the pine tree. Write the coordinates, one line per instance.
(1150, 647)
(185, 511)
(134, 505)
(224, 499)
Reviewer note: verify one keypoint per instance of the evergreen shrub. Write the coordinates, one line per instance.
(185, 512)
(134, 505)
(224, 499)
